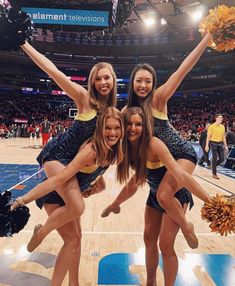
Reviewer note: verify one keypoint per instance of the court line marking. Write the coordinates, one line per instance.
(221, 188)
(25, 179)
(126, 233)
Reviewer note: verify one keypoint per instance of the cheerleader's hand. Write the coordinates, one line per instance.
(17, 203)
(16, 28)
(220, 23)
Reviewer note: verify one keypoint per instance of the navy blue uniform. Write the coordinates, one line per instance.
(66, 146)
(86, 180)
(178, 147)
(155, 174)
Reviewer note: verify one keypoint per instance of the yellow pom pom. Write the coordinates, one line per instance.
(220, 212)
(220, 23)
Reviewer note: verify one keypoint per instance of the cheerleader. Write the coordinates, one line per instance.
(82, 177)
(150, 159)
(101, 93)
(143, 93)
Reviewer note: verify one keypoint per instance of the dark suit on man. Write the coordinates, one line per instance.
(205, 155)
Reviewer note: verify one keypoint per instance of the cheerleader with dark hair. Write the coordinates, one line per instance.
(151, 160)
(153, 101)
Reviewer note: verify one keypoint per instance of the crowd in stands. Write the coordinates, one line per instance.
(190, 115)
(21, 116)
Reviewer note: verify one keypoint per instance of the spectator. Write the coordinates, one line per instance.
(216, 139)
(59, 128)
(46, 126)
(202, 142)
(230, 137)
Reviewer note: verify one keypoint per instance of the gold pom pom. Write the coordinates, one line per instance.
(220, 212)
(220, 23)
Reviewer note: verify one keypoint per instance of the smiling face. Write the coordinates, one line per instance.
(134, 128)
(142, 83)
(112, 131)
(104, 82)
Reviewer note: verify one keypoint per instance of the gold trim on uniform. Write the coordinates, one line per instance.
(159, 114)
(89, 169)
(154, 165)
(86, 116)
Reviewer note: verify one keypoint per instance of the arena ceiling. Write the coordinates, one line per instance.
(178, 14)
(16, 69)
(132, 14)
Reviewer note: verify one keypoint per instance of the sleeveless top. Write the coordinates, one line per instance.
(87, 177)
(177, 146)
(66, 146)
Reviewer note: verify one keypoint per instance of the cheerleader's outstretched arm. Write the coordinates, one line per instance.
(165, 91)
(75, 91)
(84, 158)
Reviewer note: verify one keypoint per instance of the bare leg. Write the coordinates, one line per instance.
(69, 256)
(100, 185)
(74, 267)
(168, 234)
(74, 206)
(44, 188)
(165, 196)
(152, 228)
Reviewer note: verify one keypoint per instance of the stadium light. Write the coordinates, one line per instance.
(163, 21)
(149, 21)
(197, 15)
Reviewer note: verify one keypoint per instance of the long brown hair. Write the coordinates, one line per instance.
(145, 104)
(104, 154)
(96, 100)
(139, 163)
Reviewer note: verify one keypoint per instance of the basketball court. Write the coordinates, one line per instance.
(112, 247)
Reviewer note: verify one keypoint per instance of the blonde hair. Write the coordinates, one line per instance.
(106, 155)
(96, 100)
(139, 163)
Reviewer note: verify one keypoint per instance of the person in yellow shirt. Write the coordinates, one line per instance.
(217, 141)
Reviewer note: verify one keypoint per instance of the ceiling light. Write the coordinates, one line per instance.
(149, 21)
(197, 15)
(163, 21)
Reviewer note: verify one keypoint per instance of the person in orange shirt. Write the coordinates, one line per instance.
(217, 141)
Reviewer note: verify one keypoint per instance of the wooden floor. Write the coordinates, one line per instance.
(113, 248)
